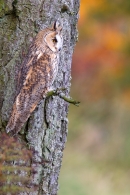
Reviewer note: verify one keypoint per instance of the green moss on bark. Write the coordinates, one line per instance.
(5, 8)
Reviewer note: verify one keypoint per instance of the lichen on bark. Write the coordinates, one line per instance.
(46, 129)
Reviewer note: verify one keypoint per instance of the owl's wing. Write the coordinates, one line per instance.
(36, 80)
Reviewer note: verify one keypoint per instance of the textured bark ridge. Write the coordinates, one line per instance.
(46, 130)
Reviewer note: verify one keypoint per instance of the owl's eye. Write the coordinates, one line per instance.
(54, 40)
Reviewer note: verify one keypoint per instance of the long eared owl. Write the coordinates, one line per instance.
(37, 74)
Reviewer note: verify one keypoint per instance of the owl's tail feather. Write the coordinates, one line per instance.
(14, 128)
(23, 106)
(17, 119)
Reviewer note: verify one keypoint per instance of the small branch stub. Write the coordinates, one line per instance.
(59, 92)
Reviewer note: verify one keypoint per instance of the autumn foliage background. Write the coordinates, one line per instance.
(97, 158)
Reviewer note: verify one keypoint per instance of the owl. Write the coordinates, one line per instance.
(38, 72)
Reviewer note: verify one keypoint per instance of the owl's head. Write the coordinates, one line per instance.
(53, 37)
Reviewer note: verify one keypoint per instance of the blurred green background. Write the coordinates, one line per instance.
(97, 154)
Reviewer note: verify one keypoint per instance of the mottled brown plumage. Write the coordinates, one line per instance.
(38, 72)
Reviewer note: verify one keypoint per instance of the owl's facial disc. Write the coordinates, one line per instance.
(59, 42)
(54, 41)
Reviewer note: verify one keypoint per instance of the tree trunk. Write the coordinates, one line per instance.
(46, 129)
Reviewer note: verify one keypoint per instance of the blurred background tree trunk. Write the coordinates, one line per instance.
(46, 129)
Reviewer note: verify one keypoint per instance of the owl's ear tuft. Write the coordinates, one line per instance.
(57, 26)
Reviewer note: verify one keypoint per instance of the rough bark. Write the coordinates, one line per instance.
(46, 130)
